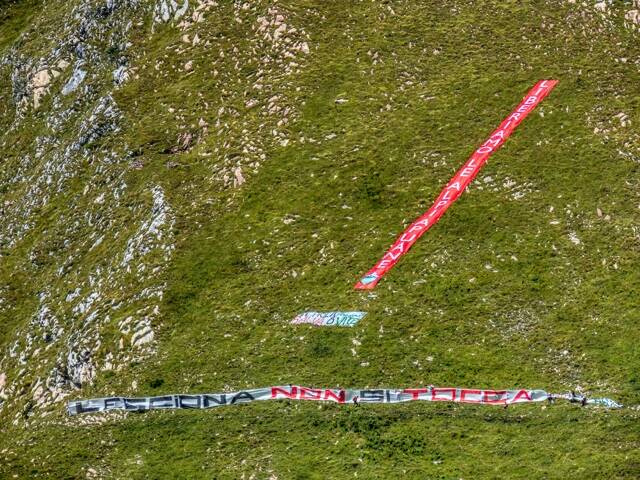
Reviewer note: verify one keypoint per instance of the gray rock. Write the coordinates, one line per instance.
(74, 82)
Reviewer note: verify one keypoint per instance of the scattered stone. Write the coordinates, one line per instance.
(141, 337)
(40, 85)
(41, 79)
(624, 119)
(601, 6)
(633, 17)
(574, 238)
(120, 75)
(74, 82)
(239, 179)
(166, 10)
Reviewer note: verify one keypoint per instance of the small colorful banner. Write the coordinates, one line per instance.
(342, 396)
(329, 319)
(456, 185)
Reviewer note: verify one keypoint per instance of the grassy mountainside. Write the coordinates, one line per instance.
(184, 178)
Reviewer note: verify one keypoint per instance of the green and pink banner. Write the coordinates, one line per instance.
(329, 319)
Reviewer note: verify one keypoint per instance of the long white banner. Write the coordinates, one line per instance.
(353, 396)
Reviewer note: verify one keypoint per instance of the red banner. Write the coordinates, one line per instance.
(456, 186)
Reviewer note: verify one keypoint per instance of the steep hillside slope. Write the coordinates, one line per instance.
(178, 180)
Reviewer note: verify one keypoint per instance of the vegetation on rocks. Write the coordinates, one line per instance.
(180, 179)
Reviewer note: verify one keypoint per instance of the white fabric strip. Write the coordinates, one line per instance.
(343, 396)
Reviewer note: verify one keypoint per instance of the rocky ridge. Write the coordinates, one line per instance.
(106, 245)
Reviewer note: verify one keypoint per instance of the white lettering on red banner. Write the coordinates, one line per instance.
(456, 185)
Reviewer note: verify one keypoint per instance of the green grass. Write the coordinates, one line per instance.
(231, 290)
(15, 15)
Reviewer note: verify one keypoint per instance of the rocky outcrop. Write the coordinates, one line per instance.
(101, 252)
(62, 346)
(632, 17)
